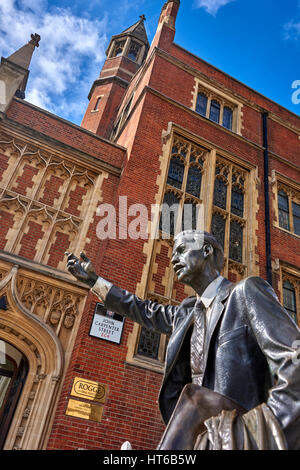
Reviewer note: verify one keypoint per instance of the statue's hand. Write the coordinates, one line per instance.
(82, 269)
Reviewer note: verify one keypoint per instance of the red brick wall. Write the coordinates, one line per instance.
(100, 122)
(63, 131)
(131, 412)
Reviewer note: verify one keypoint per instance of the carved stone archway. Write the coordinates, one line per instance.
(45, 355)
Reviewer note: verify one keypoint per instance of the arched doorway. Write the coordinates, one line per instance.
(13, 373)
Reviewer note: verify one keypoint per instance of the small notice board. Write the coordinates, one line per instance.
(107, 325)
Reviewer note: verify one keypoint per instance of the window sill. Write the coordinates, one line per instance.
(143, 363)
(287, 231)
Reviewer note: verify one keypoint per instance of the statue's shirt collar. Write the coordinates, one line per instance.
(210, 292)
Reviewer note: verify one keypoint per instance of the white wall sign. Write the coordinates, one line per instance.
(107, 325)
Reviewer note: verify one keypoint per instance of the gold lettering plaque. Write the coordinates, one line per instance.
(89, 390)
(81, 409)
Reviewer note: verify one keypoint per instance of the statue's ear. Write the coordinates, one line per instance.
(207, 250)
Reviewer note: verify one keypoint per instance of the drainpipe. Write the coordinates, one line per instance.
(267, 198)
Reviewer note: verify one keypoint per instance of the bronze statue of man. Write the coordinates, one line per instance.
(232, 376)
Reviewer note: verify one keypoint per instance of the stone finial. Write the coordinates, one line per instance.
(35, 39)
(143, 18)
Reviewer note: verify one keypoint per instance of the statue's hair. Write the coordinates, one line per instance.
(205, 238)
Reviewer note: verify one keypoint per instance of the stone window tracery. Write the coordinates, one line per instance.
(190, 173)
(43, 202)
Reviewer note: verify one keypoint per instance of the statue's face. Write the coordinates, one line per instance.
(188, 261)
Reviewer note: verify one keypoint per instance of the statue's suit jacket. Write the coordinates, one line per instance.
(249, 353)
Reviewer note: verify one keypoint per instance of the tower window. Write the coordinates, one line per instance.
(96, 108)
(134, 51)
(118, 49)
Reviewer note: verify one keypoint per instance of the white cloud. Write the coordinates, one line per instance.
(68, 59)
(212, 6)
(292, 30)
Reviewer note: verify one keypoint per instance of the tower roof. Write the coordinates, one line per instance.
(137, 30)
(22, 57)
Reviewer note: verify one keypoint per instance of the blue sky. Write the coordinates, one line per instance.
(255, 41)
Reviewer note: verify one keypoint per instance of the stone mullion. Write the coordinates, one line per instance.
(207, 189)
(209, 99)
(15, 243)
(297, 295)
(228, 220)
(14, 170)
(48, 310)
(50, 232)
(65, 191)
(222, 104)
(40, 185)
(170, 286)
(247, 231)
(291, 212)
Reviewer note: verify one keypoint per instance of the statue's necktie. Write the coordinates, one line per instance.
(197, 343)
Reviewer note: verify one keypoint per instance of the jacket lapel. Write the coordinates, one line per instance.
(217, 310)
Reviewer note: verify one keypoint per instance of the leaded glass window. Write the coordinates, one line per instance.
(118, 49)
(169, 213)
(193, 185)
(185, 174)
(228, 221)
(189, 217)
(176, 171)
(215, 108)
(296, 217)
(237, 201)
(218, 227)
(148, 343)
(223, 208)
(236, 242)
(227, 117)
(201, 105)
(289, 299)
(134, 50)
(289, 208)
(283, 210)
(220, 193)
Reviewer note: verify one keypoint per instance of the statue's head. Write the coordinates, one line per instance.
(194, 253)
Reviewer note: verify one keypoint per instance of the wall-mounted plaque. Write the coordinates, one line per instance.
(89, 389)
(81, 409)
(107, 325)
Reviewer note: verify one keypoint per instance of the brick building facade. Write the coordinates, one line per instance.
(162, 125)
